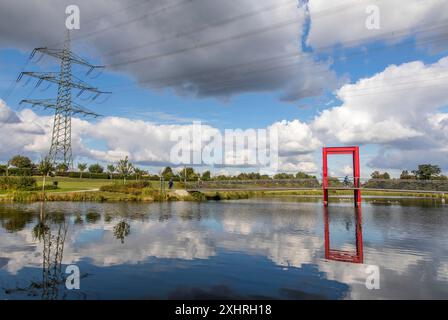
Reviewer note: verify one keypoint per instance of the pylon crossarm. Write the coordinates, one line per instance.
(77, 109)
(59, 54)
(56, 78)
(44, 102)
(50, 103)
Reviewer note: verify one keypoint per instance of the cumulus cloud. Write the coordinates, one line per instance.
(145, 143)
(295, 138)
(19, 132)
(197, 47)
(400, 109)
(344, 22)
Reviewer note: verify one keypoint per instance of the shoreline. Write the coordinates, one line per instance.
(96, 195)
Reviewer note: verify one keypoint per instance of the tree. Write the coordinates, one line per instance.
(188, 173)
(125, 168)
(82, 167)
(138, 173)
(281, 176)
(45, 167)
(378, 175)
(111, 169)
(303, 175)
(96, 168)
(405, 175)
(3, 169)
(61, 168)
(427, 171)
(167, 173)
(206, 176)
(22, 163)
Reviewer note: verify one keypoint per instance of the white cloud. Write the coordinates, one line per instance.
(398, 108)
(344, 22)
(199, 48)
(295, 137)
(146, 143)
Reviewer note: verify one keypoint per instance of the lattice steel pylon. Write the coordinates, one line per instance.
(61, 147)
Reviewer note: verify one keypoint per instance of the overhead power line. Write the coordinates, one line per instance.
(211, 75)
(207, 44)
(140, 18)
(215, 24)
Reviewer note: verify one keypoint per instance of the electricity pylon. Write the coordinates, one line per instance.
(61, 147)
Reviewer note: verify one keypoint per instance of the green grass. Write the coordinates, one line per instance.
(379, 193)
(70, 189)
(74, 184)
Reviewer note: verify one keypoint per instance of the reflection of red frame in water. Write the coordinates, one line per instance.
(341, 255)
(354, 151)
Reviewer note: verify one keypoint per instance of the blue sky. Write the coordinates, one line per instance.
(329, 70)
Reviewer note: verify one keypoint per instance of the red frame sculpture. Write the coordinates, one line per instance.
(341, 255)
(354, 151)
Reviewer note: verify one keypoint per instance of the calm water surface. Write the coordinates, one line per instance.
(281, 248)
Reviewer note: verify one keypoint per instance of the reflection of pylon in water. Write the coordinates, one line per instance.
(53, 251)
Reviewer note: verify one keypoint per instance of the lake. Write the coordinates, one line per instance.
(277, 248)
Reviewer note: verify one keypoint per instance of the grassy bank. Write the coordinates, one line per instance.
(74, 184)
(378, 193)
(75, 189)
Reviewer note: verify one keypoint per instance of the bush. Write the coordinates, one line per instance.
(135, 188)
(91, 175)
(23, 183)
(407, 184)
(96, 168)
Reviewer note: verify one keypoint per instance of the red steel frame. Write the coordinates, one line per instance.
(341, 255)
(354, 151)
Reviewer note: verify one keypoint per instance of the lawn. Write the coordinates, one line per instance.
(75, 184)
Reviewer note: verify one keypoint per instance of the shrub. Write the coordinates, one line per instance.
(89, 175)
(96, 168)
(134, 188)
(22, 183)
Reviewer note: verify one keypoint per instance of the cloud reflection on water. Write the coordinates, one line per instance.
(290, 234)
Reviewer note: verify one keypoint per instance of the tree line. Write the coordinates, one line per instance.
(423, 172)
(123, 169)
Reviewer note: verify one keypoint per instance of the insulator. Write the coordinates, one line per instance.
(39, 59)
(48, 87)
(26, 83)
(105, 100)
(80, 93)
(97, 75)
(39, 82)
(88, 97)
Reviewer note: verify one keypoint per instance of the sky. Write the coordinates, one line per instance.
(346, 72)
